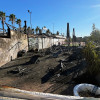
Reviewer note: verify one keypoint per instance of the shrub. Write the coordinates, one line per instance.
(92, 58)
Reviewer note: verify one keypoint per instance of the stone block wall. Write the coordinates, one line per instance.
(9, 47)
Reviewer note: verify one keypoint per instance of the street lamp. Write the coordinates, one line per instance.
(30, 18)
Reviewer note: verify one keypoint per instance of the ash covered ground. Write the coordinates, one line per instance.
(53, 70)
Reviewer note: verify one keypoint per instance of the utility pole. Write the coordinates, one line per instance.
(30, 18)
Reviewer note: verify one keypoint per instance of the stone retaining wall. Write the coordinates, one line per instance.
(9, 47)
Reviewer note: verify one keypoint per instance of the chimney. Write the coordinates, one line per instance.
(73, 32)
(68, 33)
(25, 27)
(74, 37)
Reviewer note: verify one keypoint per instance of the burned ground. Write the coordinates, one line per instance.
(42, 72)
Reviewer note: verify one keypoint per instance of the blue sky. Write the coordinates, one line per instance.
(80, 14)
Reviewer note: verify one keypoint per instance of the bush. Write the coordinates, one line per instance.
(92, 58)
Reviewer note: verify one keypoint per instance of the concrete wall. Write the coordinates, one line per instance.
(44, 42)
(9, 47)
(40, 43)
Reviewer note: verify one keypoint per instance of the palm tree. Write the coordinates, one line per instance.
(2, 18)
(19, 22)
(37, 29)
(48, 31)
(12, 19)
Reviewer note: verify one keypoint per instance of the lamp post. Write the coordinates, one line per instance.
(30, 18)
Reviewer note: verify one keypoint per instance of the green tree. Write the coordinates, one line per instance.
(19, 22)
(12, 18)
(37, 29)
(2, 18)
(92, 58)
(95, 37)
(93, 27)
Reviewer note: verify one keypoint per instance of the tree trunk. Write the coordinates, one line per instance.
(3, 25)
(12, 24)
(20, 27)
